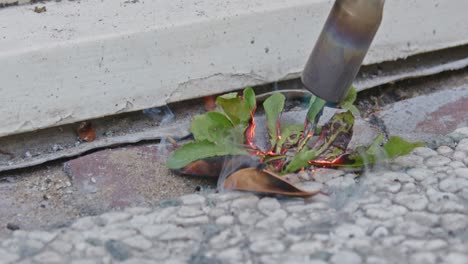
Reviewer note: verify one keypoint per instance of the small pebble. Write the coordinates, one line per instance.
(268, 205)
(457, 164)
(459, 155)
(27, 155)
(12, 226)
(463, 145)
(462, 172)
(323, 175)
(445, 151)
(57, 147)
(348, 257)
(437, 161)
(424, 152)
(420, 174)
(380, 232)
(456, 258)
(423, 258)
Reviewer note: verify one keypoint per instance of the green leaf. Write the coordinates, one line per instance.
(228, 96)
(397, 146)
(300, 160)
(273, 106)
(367, 155)
(249, 98)
(236, 108)
(394, 147)
(348, 102)
(314, 113)
(200, 150)
(212, 126)
(350, 97)
(316, 106)
(290, 135)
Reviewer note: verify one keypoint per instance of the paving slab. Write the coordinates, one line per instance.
(427, 116)
(128, 176)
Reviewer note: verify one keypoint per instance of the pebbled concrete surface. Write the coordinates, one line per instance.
(414, 212)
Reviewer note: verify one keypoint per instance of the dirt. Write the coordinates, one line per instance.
(46, 197)
(38, 197)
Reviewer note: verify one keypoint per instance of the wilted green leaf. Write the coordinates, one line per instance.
(316, 106)
(397, 146)
(236, 108)
(333, 141)
(348, 102)
(367, 155)
(394, 147)
(249, 98)
(199, 150)
(335, 136)
(228, 96)
(290, 135)
(273, 106)
(314, 113)
(212, 126)
(301, 160)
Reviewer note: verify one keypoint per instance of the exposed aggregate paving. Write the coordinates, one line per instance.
(415, 212)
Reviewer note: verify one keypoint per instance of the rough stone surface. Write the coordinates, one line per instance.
(268, 205)
(324, 175)
(424, 152)
(413, 202)
(413, 214)
(463, 145)
(346, 257)
(436, 161)
(420, 174)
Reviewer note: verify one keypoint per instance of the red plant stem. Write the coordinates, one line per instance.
(304, 142)
(338, 160)
(279, 166)
(306, 135)
(250, 131)
(318, 141)
(278, 131)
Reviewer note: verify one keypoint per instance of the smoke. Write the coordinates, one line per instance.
(161, 116)
(233, 164)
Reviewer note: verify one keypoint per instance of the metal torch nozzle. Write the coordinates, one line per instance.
(341, 48)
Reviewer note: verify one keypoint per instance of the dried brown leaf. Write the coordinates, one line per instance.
(263, 181)
(215, 166)
(86, 132)
(210, 167)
